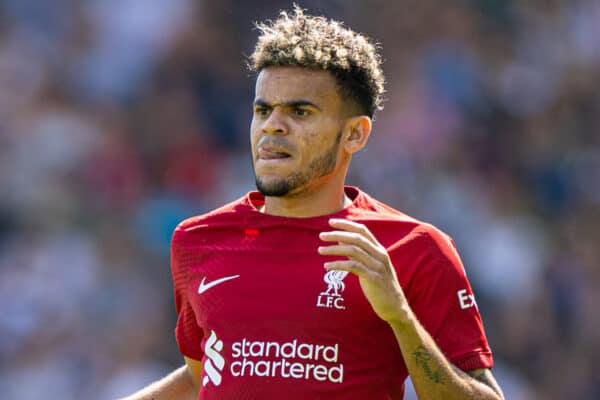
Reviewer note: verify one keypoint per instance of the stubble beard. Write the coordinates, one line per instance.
(318, 168)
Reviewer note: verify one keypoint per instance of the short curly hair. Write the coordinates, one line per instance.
(298, 39)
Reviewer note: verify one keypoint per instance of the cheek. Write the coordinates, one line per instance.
(254, 129)
(312, 147)
(318, 140)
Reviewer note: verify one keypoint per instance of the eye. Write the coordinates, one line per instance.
(262, 111)
(301, 112)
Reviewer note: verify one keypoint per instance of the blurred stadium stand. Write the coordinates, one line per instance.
(118, 118)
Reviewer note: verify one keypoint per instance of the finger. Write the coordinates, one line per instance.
(352, 252)
(352, 266)
(352, 226)
(344, 237)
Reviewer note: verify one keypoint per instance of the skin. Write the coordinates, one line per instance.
(433, 376)
(304, 131)
(181, 384)
(300, 112)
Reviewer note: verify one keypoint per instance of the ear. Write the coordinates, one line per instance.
(357, 133)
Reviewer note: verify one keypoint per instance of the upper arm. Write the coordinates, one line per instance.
(440, 295)
(194, 369)
(484, 375)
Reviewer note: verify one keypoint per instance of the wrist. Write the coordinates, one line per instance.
(402, 318)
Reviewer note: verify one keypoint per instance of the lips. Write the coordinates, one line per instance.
(266, 153)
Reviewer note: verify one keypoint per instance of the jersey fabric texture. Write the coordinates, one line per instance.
(256, 306)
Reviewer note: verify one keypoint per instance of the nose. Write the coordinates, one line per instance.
(275, 123)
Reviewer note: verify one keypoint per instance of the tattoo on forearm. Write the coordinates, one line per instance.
(485, 376)
(422, 359)
(478, 374)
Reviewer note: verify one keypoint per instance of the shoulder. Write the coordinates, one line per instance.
(437, 241)
(430, 259)
(408, 239)
(389, 221)
(226, 215)
(368, 208)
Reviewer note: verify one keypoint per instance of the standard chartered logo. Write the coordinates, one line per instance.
(287, 360)
(214, 362)
(255, 358)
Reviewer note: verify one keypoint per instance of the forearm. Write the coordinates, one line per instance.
(432, 374)
(178, 385)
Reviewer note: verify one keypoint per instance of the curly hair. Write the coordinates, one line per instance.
(318, 43)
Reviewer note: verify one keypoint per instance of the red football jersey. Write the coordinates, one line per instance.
(255, 304)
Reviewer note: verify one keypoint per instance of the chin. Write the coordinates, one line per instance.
(280, 187)
(273, 187)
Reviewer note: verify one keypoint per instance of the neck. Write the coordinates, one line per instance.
(323, 201)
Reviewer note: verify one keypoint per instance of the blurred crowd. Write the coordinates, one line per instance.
(119, 118)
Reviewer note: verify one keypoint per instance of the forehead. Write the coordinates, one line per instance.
(284, 84)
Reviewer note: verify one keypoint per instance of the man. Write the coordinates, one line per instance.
(308, 289)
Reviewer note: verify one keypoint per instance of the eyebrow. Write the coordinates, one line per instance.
(290, 104)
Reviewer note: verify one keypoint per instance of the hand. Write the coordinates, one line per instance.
(369, 260)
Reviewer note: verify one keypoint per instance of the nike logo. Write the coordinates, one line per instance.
(205, 286)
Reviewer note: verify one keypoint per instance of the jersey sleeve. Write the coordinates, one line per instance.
(441, 297)
(187, 332)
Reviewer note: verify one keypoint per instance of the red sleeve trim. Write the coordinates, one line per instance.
(474, 361)
(188, 351)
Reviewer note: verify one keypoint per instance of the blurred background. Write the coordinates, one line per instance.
(119, 118)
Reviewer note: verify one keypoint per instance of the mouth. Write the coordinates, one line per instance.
(272, 154)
